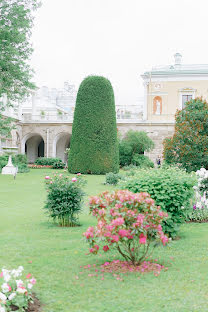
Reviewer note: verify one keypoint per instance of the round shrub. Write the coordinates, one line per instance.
(58, 164)
(172, 190)
(23, 168)
(134, 144)
(128, 222)
(142, 161)
(112, 178)
(64, 199)
(94, 145)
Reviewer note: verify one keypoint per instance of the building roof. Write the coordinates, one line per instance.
(177, 69)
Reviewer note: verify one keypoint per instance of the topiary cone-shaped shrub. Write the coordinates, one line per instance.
(94, 144)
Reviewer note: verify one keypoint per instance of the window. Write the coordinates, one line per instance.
(186, 98)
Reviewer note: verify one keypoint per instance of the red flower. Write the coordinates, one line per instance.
(105, 248)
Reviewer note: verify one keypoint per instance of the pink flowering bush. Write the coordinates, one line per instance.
(15, 294)
(129, 222)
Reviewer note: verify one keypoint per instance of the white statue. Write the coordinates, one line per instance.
(157, 112)
(9, 168)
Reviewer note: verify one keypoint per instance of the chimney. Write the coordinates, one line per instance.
(178, 58)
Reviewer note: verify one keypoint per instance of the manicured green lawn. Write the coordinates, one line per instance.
(56, 253)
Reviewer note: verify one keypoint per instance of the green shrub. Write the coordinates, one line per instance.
(20, 159)
(44, 161)
(112, 178)
(23, 168)
(142, 161)
(58, 164)
(3, 161)
(135, 143)
(172, 190)
(64, 199)
(94, 144)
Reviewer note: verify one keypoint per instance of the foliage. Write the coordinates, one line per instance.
(15, 294)
(172, 190)
(23, 168)
(64, 199)
(188, 145)
(94, 145)
(132, 145)
(142, 161)
(44, 161)
(34, 166)
(16, 21)
(199, 212)
(128, 222)
(112, 178)
(59, 164)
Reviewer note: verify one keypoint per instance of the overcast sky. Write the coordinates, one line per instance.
(119, 39)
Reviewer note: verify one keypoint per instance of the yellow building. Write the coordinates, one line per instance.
(167, 88)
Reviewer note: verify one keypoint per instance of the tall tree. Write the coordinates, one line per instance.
(188, 146)
(16, 21)
(94, 144)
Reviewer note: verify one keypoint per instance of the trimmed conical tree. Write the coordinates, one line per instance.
(94, 144)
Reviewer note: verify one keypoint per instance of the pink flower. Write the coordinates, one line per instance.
(115, 238)
(79, 174)
(47, 178)
(105, 248)
(142, 238)
(33, 281)
(28, 275)
(117, 222)
(1, 275)
(74, 179)
(96, 247)
(123, 233)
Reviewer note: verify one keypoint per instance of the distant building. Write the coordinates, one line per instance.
(44, 120)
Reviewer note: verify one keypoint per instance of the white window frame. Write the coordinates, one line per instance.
(186, 91)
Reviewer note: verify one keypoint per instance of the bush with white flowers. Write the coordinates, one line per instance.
(200, 208)
(15, 294)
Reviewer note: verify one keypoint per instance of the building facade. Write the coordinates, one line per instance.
(44, 120)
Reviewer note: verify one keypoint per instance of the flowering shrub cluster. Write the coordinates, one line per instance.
(129, 222)
(15, 294)
(200, 208)
(64, 199)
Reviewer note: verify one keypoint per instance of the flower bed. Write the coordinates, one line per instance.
(34, 166)
(16, 294)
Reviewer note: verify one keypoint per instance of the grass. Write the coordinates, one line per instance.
(57, 253)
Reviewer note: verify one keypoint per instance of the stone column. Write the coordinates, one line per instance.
(47, 143)
(145, 100)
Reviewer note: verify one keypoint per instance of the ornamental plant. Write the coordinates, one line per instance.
(64, 199)
(94, 144)
(188, 147)
(128, 222)
(172, 190)
(15, 292)
(200, 207)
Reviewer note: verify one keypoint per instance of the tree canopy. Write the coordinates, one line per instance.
(188, 147)
(16, 21)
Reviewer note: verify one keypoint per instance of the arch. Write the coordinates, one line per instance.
(33, 145)
(157, 105)
(60, 143)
